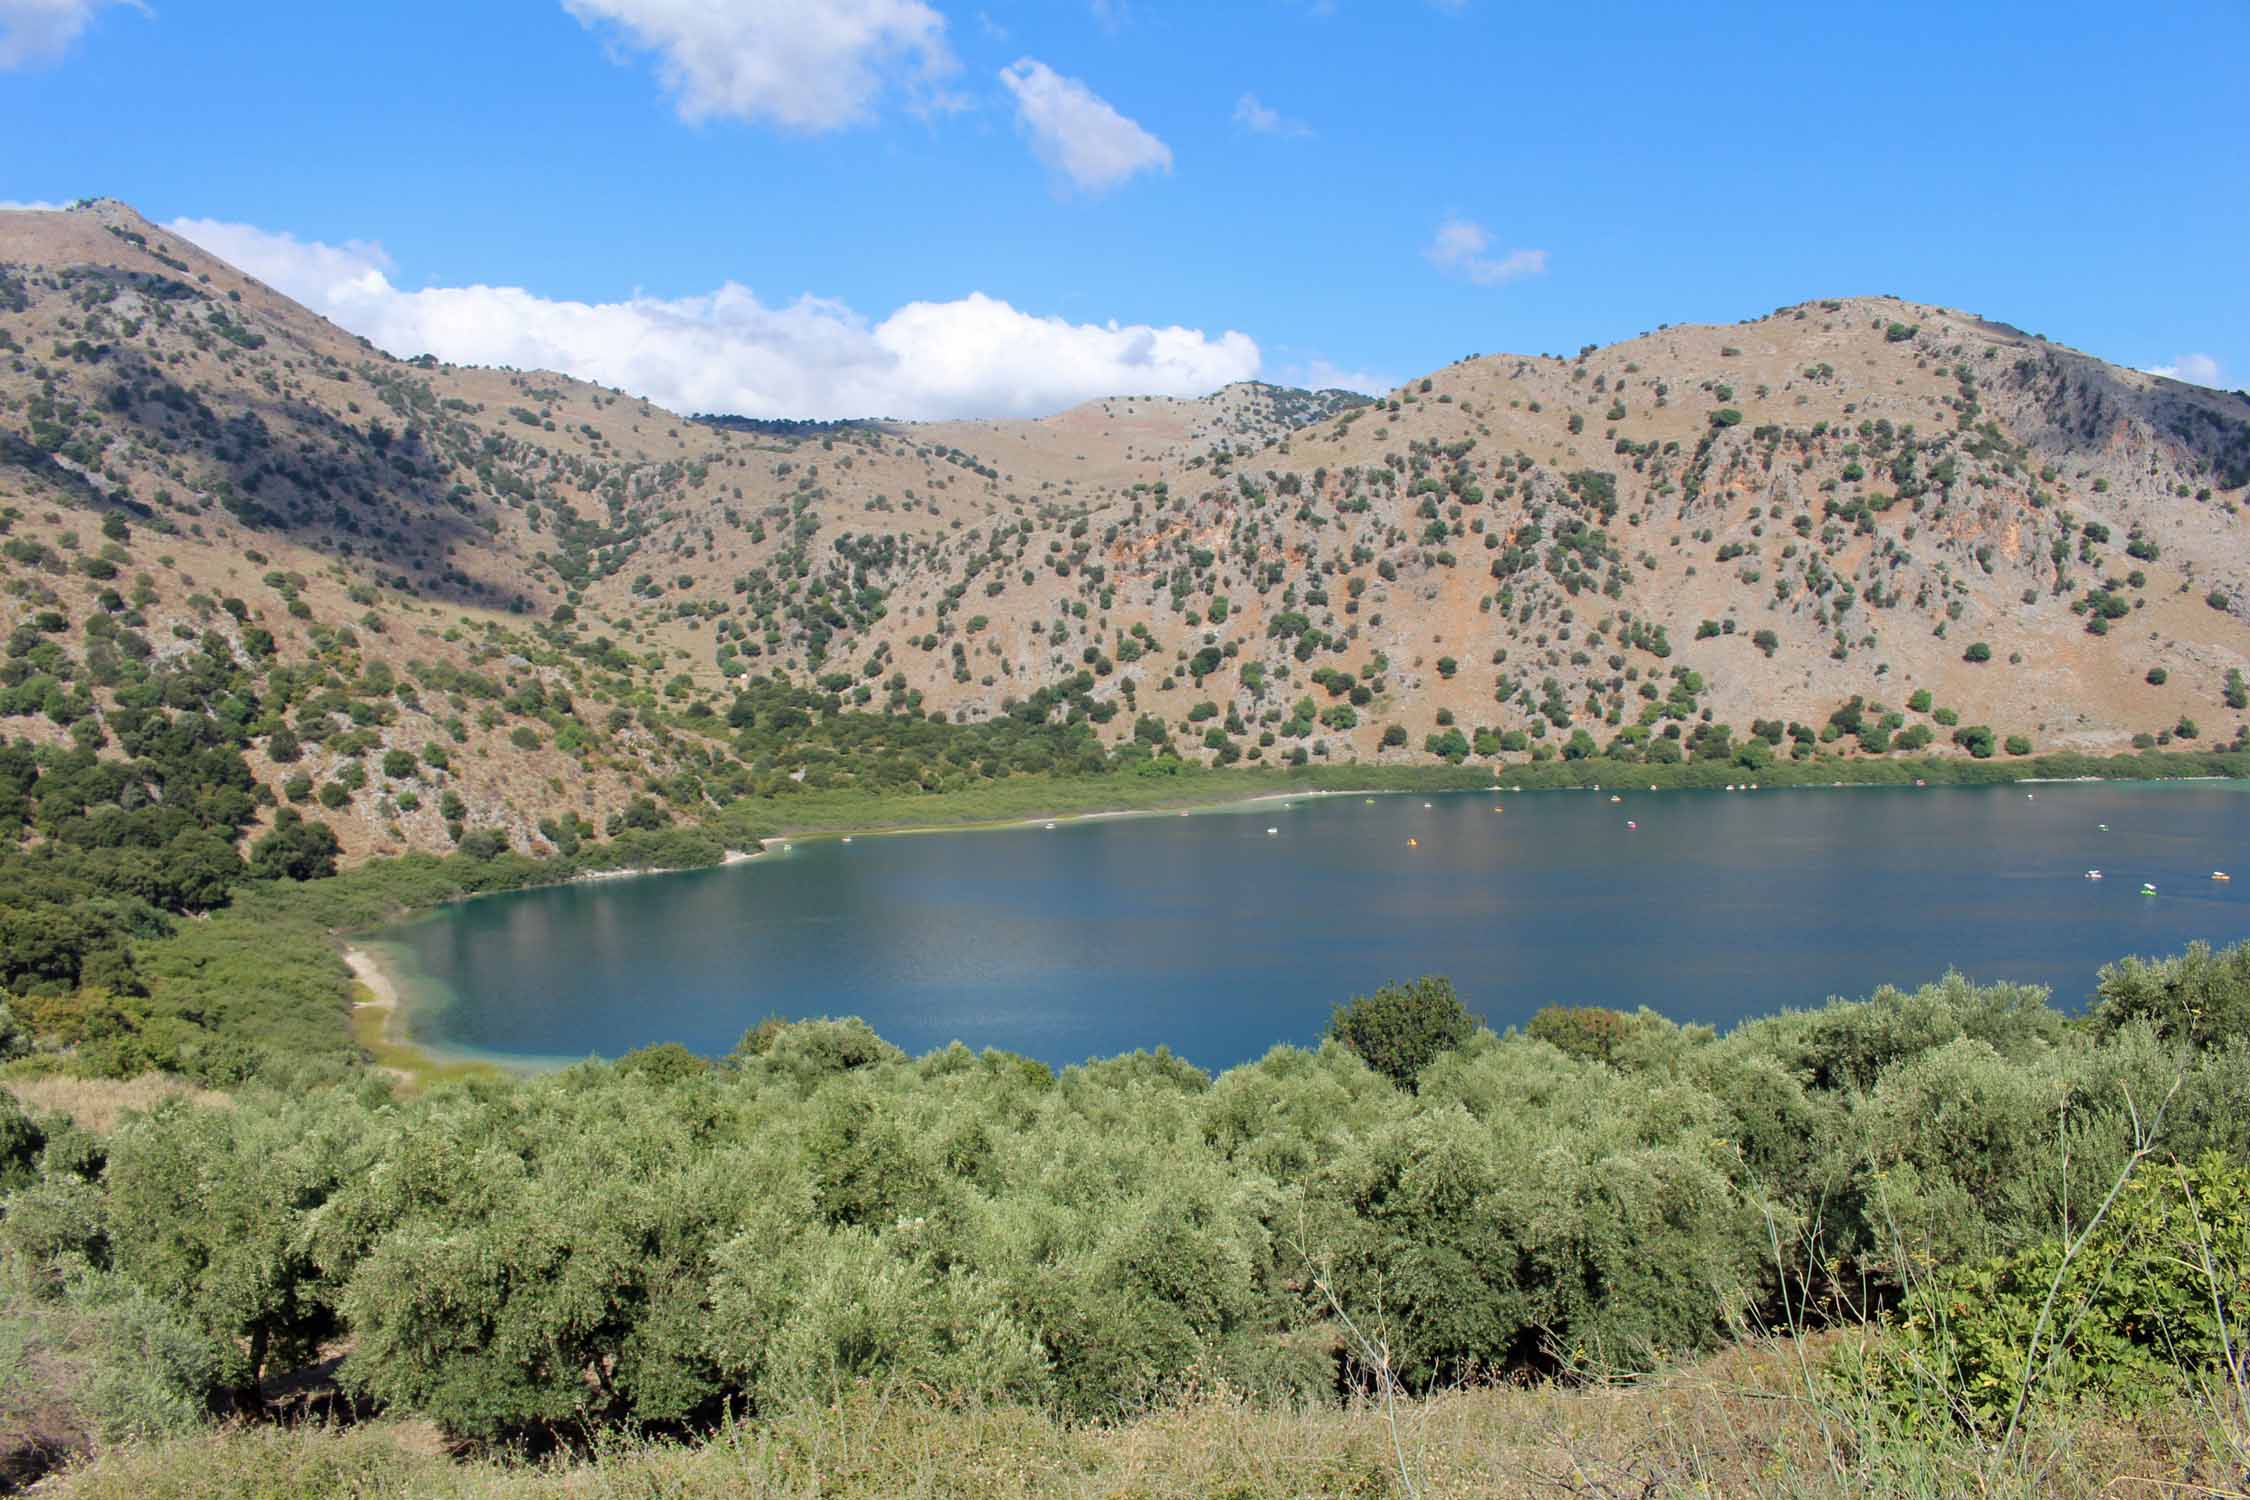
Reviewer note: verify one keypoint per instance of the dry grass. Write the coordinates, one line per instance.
(1741, 1424)
(97, 1104)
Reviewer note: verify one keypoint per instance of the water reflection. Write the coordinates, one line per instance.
(1217, 939)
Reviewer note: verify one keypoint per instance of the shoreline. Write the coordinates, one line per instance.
(1119, 801)
(633, 872)
(768, 842)
(380, 1020)
(377, 1021)
(368, 970)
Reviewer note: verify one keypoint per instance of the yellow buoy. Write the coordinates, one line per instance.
(1413, 843)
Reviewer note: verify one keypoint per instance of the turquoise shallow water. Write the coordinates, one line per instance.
(1209, 935)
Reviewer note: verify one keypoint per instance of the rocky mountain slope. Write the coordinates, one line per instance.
(514, 601)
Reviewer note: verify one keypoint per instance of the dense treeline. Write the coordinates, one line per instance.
(662, 1239)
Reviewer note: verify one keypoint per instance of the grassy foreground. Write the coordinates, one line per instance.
(1744, 1423)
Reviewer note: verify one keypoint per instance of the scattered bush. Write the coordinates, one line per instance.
(1402, 1028)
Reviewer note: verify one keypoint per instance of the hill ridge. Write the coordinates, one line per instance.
(1697, 542)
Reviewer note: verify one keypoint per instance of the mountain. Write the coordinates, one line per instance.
(1668, 545)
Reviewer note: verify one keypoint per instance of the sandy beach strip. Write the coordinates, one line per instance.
(382, 993)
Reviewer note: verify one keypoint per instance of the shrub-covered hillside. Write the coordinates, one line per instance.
(1845, 530)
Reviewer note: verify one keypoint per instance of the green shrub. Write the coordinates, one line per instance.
(1593, 1032)
(2198, 997)
(153, 1374)
(1403, 1028)
(2130, 1311)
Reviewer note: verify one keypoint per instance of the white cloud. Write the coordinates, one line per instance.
(1319, 374)
(29, 205)
(2195, 369)
(1255, 116)
(1461, 249)
(40, 31)
(1077, 132)
(808, 67)
(728, 351)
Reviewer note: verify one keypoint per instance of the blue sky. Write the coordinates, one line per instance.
(928, 207)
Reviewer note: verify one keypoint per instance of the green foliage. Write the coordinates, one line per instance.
(20, 1143)
(2130, 1310)
(1402, 1028)
(153, 1374)
(2198, 997)
(651, 1240)
(1592, 1032)
(297, 848)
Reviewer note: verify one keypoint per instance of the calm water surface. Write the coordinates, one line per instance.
(1218, 939)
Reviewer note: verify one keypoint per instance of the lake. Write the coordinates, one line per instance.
(1212, 936)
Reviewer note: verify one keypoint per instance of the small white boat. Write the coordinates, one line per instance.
(2147, 889)
(2104, 827)
(1629, 823)
(2221, 875)
(1425, 805)
(1050, 828)
(1617, 799)
(847, 838)
(2028, 797)
(2093, 874)
(1271, 832)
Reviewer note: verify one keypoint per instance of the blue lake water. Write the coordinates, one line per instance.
(1211, 936)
